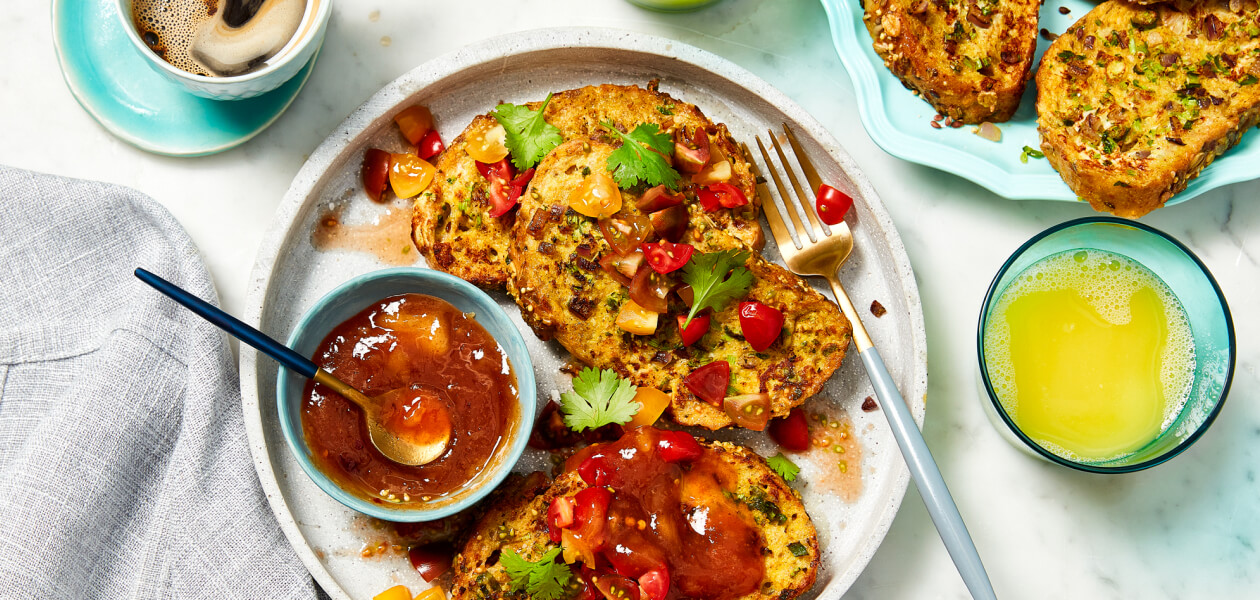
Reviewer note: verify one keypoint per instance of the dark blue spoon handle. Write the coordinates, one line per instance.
(232, 325)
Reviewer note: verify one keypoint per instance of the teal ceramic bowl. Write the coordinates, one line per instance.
(1211, 325)
(356, 295)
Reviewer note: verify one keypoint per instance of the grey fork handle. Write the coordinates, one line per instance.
(927, 477)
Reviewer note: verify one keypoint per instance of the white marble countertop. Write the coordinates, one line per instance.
(1186, 529)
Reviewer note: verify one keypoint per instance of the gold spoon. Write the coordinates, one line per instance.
(410, 426)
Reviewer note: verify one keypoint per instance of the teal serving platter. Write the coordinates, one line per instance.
(898, 121)
(118, 88)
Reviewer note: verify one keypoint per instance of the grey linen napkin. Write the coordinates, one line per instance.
(124, 467)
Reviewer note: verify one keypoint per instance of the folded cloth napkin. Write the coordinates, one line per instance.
(124, 467)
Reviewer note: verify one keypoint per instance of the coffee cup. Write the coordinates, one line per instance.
(219, 52)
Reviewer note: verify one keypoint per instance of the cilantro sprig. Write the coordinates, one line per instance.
(784, 467)
(641, 157)
(599, 398)
(529, 136)
(544, 579)
(707, 276)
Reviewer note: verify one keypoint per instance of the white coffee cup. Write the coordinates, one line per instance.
(300, 49)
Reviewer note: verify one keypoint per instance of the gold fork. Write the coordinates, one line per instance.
(821, 253)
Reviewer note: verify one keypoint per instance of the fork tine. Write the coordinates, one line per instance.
(803, 200)
(807, 166)
(787, 200)
(777, 227)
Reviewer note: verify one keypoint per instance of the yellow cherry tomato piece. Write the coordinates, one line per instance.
(433, 593)
(398, 592)
(636, 319)
(487, 145)
(574, 549)
(653, 403)
(714, 173)
(409, 174)
(597, 196)
(414, 122)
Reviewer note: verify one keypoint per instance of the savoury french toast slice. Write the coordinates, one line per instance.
(565, 294)
(969, 59)
(785, 537)
(451, 222)
(1134, 101)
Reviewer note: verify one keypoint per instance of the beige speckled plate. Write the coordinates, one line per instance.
(290, 275)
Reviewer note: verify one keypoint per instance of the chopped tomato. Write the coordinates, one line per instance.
(575, 549)
(761, 324)
(414, 123)
(714, 173)
(503, 197)
(670, 224)
(625, 231)
(709, 382)
(559, 516)
(487, 144)
(590, 512)
(832, 204)
(678, 446)
(431, 560)
(650, 289)
(666, 257)
(594, 470)
(524, 178)
(687, 295)
(691, 152)
(636, 319)
(616, 587)
(430, 146)
(409, 174)
(596, 196)
(720, 195)
(500, 169)
(375, 172)
(652, 403)
(433, 593)
(750, 411)
(622, 268)
(655, 584)
(658, 198)
(791, 432)
(695, 330)
(398, 592)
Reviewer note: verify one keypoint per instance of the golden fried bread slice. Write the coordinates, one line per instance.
(739, 483)
(564, 294)
(1134, 101)
(452, 227)
(970, 59)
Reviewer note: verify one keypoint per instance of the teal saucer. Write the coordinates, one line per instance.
(124, 94)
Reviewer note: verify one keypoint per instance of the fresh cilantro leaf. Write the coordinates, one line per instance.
(1028, 151)
(599, 397)
(542, 580)
(798, 549)
(706, 274)
(529, 136)
(635, 161)
(784, 467)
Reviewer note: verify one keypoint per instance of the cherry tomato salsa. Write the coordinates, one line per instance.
(411, 340)
(668, 516)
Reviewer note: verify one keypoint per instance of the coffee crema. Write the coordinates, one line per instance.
(219, 38)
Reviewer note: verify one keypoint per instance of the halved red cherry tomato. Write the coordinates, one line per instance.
(616, 587)
(678, 446)
(655, 584)
(709, 382)
(625, 231)
(594, 470)
(623, 268)
(691, 152)
(720, 195)
(750, 411)
(590, 512)
(832, 204)
(670, 224)
(650, 289)
(761, 324)
(431, 560)
(414, 123)
(375, 172)
(658, 198)
(431, 145)
(666, 257)
(694, 331)
(503, 197)
(791, 432)
(501, 170)
(559, 516)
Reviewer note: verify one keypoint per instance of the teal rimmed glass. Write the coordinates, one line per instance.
(1210, 322)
